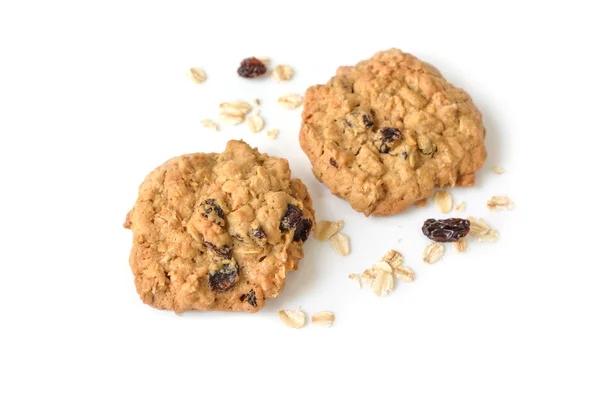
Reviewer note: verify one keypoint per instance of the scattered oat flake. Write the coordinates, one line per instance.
(460, 246)
(461, 206)
(498, 170)
(498, 203)
(355, 278)
(208, 124)
(478, 227)
(433, 252)
(255, 123)
(230, 118)
(292, 318)
(383, 283)
(265, 60)
(236, 107)
(290, 101)
(404, 273)
(443, 201)
(490, 236)
(273, 133)
(326, 229)
(323, 318)
(382, 266)
(196, 75)
(340, 244)
(368, 276)
(256, 102)
(393, 258)
(282, 73)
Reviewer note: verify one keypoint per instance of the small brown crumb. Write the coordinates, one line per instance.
(421, 203)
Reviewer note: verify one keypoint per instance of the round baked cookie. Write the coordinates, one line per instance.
(384, 133)
(218, 231)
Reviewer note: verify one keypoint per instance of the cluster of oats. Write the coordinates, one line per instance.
(380, 277)
(297, 319)
(329, 230)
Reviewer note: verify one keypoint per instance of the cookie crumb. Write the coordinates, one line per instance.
(255, 123)
(290, 101)
(498, 203)
(256, 102)
(443, 201)
(355, 278)
(292, 318)
(460, 246)
(208, 124)
(340, 244)
(323, 318)
(461, 206)
(273, 133)
(282, 73)
(196, 75)
(433, 253)
(326, 229)
(421, 203)
(498, 170)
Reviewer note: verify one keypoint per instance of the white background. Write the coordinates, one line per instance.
(93, 96)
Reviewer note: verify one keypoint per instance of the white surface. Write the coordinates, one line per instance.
(94, 96)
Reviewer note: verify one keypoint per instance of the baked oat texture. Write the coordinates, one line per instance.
(218, 231)
(384, 133)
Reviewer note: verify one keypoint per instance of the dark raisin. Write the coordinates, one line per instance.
(446, 230)
(389, 134)
(348, 122)
(333, 162)
(250, 297)
(258, 233)
(291, 218)
(223, 279)
(224, 252)
(367, 121)
(384, 137)
(251, 68)
(404, 155)
(303, 228)
(218, 210)
(213, 212)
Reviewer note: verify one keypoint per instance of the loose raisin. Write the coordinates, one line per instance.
(224, 252)
(446, 230)
(251, 68)
(333, 162)
(250, 297)
(223, 279)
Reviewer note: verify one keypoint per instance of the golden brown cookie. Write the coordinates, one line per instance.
(384, 133)
(218, 231)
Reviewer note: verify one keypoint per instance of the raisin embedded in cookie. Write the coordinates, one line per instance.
(218, 231)
(384, 133)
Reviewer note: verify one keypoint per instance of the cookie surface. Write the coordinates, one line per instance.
(218, 231)
(384, 133)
